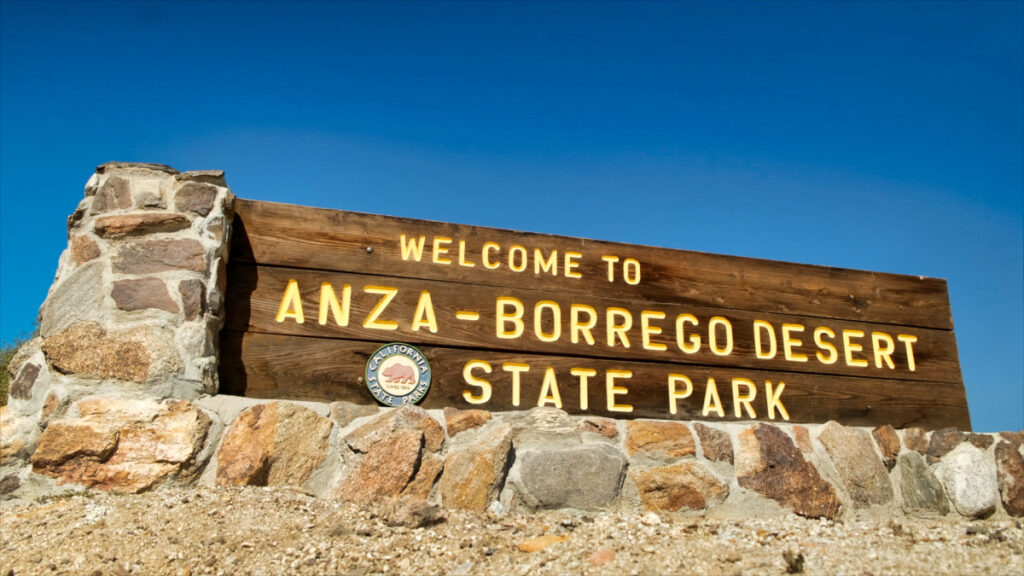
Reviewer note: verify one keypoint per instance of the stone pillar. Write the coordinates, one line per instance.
(136, 306)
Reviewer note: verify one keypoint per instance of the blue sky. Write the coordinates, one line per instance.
(878, 135)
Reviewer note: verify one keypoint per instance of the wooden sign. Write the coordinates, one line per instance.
(512, 320)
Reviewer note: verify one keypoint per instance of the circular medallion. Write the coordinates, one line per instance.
(398, 374)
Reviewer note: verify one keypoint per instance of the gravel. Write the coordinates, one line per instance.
(275, 531)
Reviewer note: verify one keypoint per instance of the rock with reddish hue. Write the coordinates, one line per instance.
(969, 478)
(942, 442)
(404, 418)
(602, 556)
(124, 445)
(473, 475)
(273, 444)
(921, 491)
(344, 413)
(195, 197)
(888, 444)
(84, 249)
(670, 439)
(149, 256)
(715, 443)
(413, 513)
(134, 355)
(193, 298)
(423, 482)
(768, 463)
(459, 420)
(585, 477)
(803, 439)
(22, 382)
(541, 542)
(602, 426)
(145, 223)
(114, 194)
(863, 474)
(386, 469)
(688, 485)
(981, 441)
(915, 439)
(143, 294)
(1010, 468)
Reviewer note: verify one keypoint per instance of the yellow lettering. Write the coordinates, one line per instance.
(773, 396)
(618, 328)
(833, 354)
(484, 385)
(387, 293)
(541, 265)
(741, 401)
(681, 321)
(556, 318)
(788, 342)
(424, 315)
(611, 390)
(549, 390)
(462, 256)
(646, 330)
(631, 271)
(850, 347)
(712, 402)
(412, 247)
(761, 326)
(908, 340)
(516, 369)
(674, 393)
(291, 304)
(441, 248)
(504, 318)
(517, 249)
(583, 374)
(583, 328)
(611, 260)
(713, 325)
(883, 347)
(488, 247)
(571, 264)
(329, 300)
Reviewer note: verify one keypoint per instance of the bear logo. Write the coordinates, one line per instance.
(397, 374)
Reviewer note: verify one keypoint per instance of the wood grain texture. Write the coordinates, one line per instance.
(302, 237)
(255, 294)
(326, 369)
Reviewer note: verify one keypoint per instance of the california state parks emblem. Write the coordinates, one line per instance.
(398, 374)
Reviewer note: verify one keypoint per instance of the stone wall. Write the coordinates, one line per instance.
(119, 392)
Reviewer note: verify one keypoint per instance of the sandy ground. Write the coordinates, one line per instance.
(279, 531)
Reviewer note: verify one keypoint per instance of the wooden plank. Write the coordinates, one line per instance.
(255, 296)
(302, 368)
(301, 237)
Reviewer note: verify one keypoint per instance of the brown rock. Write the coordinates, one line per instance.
(981, 441)
(473, 475)
(768, 463)
(50, 406)
(386, 470)
(195, 197)
(134, 355)
(126, 445)
(942, 442)
(135, 224)
(149, 256)
(541, 542)
(803, 439)
(1015, 438)
(715, 443)
(688, 485)
(458, 420)
(413, 513)
(915, 439)
(604, 426)
(273, 444)
(135, 167)
(888, 443)
(208, 176)
(669, 438)
(21, 385)
(863, 474)
(423, 482)
(114, 194)
(193, 298)
(83, 249)
(1010, 468)
(344, 413)
(143, 294)
(404, 418)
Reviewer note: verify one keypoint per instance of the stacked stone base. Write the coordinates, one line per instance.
(520, 461)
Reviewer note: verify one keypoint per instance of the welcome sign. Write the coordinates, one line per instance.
(508, 320)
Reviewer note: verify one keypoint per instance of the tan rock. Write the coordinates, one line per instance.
(386, 470)
(541, 542)
(423, 482)
(145, 223)
(83, 249)
(404, 418)
(473, 475)
(136, 355)
(669, 438)
(1010, 468)
(602, 556)
(915, 439)
(459, 420)
(142, 294)
(603, 426)
(803, 439)
(125, 445)
(888, 444)
(344, 413)
(149, 256)
(12, 441)
(688, 484)
(273, 444)
(863, 473)
(715, 443)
